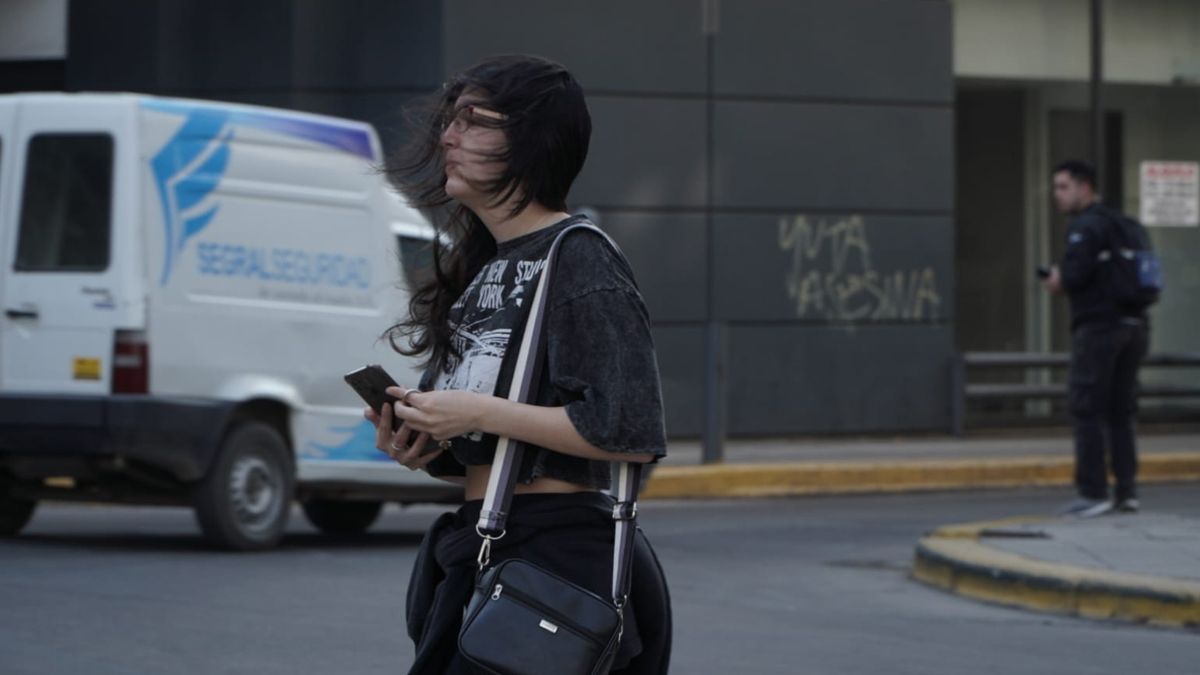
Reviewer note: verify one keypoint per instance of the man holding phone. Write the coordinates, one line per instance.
(1108, 342)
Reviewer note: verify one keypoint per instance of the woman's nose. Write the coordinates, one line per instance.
(449, 136)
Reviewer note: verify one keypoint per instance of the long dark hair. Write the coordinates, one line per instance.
(547, 128)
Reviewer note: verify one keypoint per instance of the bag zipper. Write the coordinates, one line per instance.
(560, 620)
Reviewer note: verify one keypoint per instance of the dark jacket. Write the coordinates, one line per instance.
(569, 534)
(1084, 277)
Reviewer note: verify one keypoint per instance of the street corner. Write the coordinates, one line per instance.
(1133, 568)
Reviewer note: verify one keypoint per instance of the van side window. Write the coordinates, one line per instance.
(66, 206)
(416, 257)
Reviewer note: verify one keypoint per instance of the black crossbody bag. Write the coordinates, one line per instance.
(523, 619)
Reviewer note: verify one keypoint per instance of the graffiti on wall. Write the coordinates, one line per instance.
(831, 275)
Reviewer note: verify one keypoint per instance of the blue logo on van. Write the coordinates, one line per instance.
(189, 166)
(186, 171)
(358, 447)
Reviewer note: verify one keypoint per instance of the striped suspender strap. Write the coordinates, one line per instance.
(498, 498)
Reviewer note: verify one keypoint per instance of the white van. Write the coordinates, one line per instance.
(184, 284)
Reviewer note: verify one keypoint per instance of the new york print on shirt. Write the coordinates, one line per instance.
(483, 318)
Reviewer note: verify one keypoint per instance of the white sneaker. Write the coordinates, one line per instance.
(1083, 507)
(1130, 505)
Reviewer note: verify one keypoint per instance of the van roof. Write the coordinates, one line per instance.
(350, 135)
(91, 98)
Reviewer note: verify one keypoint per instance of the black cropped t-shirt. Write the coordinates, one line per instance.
(600, 360)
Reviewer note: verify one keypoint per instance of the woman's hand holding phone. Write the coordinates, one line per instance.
(382, 395)
(410, 448)
(414, 427)
(445, 414)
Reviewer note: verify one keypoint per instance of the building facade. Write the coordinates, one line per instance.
(824, 201)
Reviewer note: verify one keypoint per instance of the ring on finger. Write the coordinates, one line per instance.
(444, 444)
(404, 398)
(398, 448)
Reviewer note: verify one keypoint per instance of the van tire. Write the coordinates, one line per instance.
(14, 513)
(342, 516)
(243, 502)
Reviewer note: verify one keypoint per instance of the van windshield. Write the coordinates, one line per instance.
(416, 259)
(66, 204)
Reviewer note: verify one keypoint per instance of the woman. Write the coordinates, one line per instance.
(498, 156)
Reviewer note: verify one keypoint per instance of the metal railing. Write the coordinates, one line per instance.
(962, 391)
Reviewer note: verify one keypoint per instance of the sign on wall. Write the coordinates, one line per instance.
(1170, 193)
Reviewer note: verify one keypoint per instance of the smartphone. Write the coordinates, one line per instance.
(370, 383)
(1043, 272)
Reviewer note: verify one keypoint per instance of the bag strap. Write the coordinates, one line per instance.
(1122, 229)
(502, 481)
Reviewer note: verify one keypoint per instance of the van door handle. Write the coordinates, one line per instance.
(21, 313)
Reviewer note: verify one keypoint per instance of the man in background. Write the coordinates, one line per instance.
(1108, 341)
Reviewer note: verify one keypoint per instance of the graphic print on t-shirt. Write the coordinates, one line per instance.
(483, 319)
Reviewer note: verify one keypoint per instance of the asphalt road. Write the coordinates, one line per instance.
(812, 585)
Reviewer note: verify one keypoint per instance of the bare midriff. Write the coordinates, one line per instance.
(477, 480)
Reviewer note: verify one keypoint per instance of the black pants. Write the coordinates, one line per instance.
(1104, 365)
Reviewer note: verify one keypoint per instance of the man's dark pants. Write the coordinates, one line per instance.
(1103, 399)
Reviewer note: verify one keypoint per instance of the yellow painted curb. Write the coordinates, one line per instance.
(952, 560)
(805, 478)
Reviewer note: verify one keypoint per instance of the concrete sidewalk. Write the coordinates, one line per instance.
(1143, 567)
(783, 467)
(1138, 567)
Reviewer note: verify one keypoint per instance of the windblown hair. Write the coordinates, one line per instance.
(547, 128)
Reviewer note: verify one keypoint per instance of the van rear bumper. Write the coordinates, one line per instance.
(46, 434)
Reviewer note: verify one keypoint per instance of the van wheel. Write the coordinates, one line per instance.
(14, 513)
(242, 504)
(341, 517)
